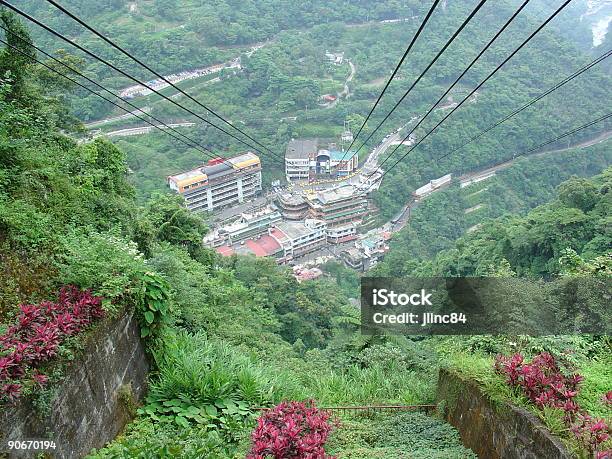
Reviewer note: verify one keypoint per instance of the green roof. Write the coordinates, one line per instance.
(338, 155)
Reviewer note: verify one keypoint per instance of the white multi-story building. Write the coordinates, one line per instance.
(341, 234)
(246, 226)
(297, 239)
(297, 158)
(307, 158)
(220, 183)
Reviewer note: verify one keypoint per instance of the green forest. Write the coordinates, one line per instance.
(228, 337)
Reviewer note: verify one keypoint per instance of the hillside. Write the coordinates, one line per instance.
(275, 96)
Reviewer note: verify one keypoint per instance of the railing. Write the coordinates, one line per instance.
(335, 410)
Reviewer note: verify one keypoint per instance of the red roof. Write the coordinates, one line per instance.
(278, 234)
(225, 250)
(264, 246)
(215, 161)
(269, 243)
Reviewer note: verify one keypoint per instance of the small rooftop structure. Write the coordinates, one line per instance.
(295, 230)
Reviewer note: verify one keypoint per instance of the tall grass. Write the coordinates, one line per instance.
(374, 385)
(203, 370)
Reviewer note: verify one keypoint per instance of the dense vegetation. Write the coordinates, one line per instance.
(284, 79)
(530, 245)
(225, 336)
(438, 221)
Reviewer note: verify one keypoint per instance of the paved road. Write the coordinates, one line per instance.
(142, 130)
(112, 119)
(483, 174)
(159, 84)
(346, 91)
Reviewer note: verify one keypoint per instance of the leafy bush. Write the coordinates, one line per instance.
(206, 383)
(37, 334)
(153, 305)
(397, 436)
(144, 439)
(105, 263)
(388, 355)
(291, 430)
(543, 382)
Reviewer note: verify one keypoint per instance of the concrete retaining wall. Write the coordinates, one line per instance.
(494, 431)
(91, 404)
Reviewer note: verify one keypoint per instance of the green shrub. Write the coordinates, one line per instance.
(395, 436)
(207, 383)
(103, 262)
(145, 439)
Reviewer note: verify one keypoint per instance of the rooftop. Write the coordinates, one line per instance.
(295, 230)
(337, 194)
(336, 155)
(301, 149)
(244, 160)
(291, 199)
(189, 177)
(215, 170)
(264, 246)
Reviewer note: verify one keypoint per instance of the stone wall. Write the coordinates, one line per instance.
(494, 430)
(91, 405)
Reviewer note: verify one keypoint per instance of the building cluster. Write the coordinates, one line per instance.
(295, 226)
(246, 226)
(369, 249)
(296, 223)
(338, 206)
(219, 183)
(282, 240)
(307, 159)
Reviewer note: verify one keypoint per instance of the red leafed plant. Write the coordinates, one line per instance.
(543, 382)
(291, 430)
(36, 335)
(607, 398)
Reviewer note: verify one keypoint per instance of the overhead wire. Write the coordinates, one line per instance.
(397, 67)
(154, 72)
(466, 98)
(189, 143)
(467, 69)
(122, 72)
(533, 101)
(431, 63)
(559, 137)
